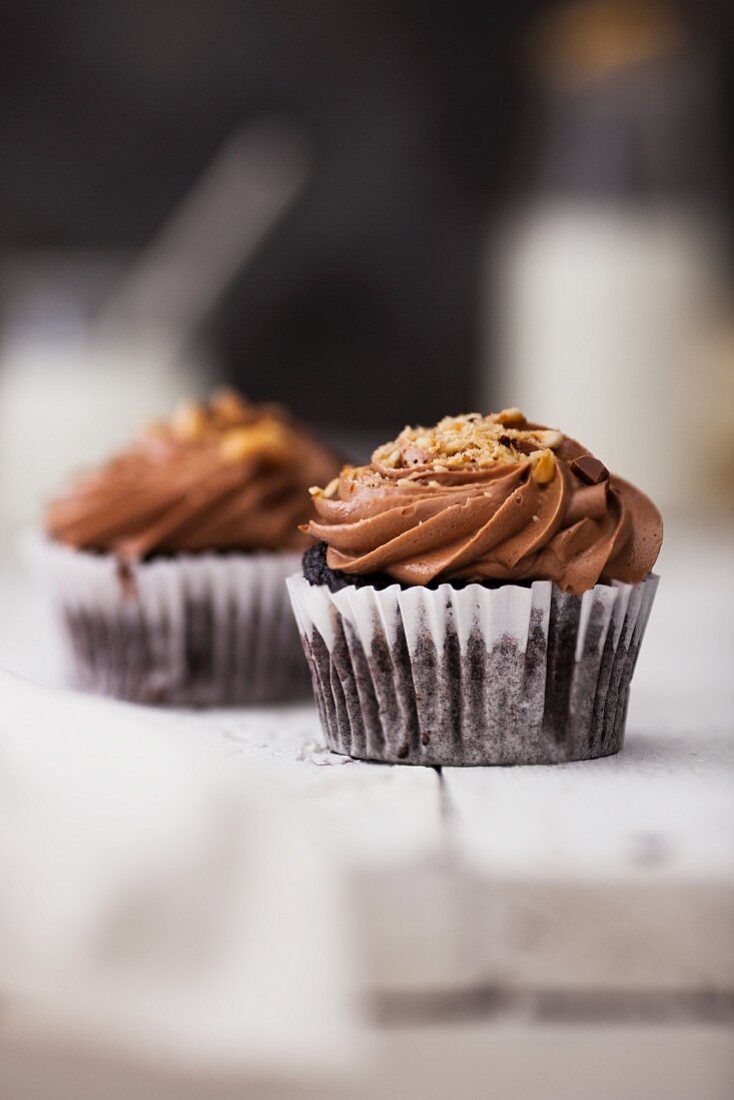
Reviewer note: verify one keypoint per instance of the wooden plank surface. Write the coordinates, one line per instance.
(611, 874)
(426, 1062)
(608, 875)
(660, 810)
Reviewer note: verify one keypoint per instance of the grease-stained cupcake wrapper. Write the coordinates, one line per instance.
(190, 630)
(446, 676)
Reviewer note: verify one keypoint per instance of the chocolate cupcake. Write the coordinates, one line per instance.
(477, 594)
(167, 564)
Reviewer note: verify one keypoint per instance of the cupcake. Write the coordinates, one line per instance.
(167, 565)
(477, 594)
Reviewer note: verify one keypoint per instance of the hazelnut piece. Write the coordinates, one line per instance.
(229, 407)
(510, 416)
(544, 467)
(189, 422)
(265, 440)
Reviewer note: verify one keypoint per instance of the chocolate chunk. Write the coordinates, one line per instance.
(524, 446)
(589, 469)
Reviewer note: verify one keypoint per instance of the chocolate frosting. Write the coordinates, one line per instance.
(508, 508)
(225, 476)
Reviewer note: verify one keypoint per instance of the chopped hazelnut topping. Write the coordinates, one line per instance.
(330, 490)
(266, 439)
(414, 456)
(510, 416)
(544, 467)
(229, 407)
(548, 437)
(189, 422)
(472, 440)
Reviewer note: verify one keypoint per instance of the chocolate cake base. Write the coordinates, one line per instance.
(187, 630)
(433, 678)
(180, 663)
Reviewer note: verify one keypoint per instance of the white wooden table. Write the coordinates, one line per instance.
(511, 920)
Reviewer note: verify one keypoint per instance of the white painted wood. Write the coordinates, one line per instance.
(660, 810)
(386, 826)
(377, 813)
(475, 1061)
(613, 874)
(512, 1061)
(616, 873)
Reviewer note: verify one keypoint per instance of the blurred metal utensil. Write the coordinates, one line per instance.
(210, 235)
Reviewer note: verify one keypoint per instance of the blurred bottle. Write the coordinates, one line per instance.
(602, 284)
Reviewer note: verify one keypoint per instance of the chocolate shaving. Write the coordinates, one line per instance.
(589, 469)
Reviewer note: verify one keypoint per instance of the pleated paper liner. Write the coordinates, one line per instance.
(446, 676)
(191, 630)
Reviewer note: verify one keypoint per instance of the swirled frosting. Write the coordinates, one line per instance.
(487, 498)
(224, 476)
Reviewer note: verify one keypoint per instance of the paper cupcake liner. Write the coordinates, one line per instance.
(448, 676)
(188, 630)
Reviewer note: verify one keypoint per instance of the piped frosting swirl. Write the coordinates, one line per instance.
(227, 475)
(487, 498)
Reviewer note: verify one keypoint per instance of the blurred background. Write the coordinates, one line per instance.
(374, 212)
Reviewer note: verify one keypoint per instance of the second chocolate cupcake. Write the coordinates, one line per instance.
(167, 565)
(477, 595)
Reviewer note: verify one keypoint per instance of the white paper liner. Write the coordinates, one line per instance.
(201, 629)
(473, 675)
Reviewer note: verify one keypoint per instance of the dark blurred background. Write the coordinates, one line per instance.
(420, 126)
(112, 110)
